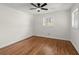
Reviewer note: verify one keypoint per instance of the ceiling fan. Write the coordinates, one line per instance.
(38, 6)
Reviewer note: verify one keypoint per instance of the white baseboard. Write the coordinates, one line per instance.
(21, 38)
(75, 45)
(52, 37)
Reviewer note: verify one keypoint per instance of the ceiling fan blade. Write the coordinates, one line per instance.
(44, 8)
(32, 8)
(33, 5)
(44, 5)
(38, 5)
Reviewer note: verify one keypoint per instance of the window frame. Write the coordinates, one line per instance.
(75, 22)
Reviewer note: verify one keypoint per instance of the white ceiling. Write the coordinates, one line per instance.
(52, 7)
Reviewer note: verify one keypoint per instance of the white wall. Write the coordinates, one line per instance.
(59, 30)
(75, 32)
(14, 25)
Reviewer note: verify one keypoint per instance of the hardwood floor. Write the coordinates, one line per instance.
(39, 46)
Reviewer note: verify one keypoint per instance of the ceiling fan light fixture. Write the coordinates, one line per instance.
(38, 9)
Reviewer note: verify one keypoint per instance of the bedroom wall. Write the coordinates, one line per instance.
(75, 32)
(60, 28)
(14, 25)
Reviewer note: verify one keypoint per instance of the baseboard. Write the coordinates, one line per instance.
(52, 37)
(13, 42)
(27, 37)
(74, 44)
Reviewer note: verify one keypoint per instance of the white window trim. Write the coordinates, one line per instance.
(74, 25)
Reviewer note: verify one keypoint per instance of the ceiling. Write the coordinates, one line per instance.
(52, 7)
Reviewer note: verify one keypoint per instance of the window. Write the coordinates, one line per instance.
(48, 21)
(75, 19)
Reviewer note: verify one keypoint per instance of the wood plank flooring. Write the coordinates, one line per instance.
(39, 46)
